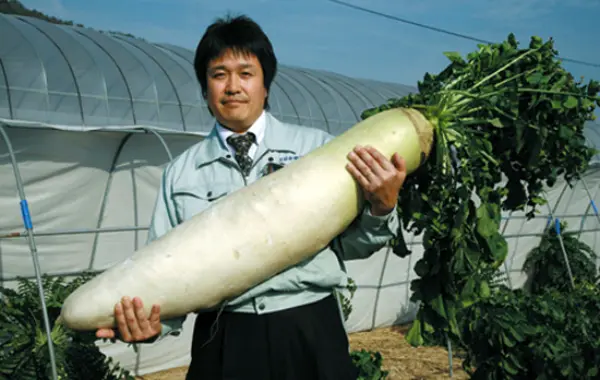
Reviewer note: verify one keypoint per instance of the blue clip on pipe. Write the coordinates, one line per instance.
(557, 226)
(594, 206)
(25, 214)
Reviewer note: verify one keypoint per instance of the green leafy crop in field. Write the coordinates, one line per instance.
(23, 344)
(550, 334)
(546, 267)
(507, 121)
(548, 329)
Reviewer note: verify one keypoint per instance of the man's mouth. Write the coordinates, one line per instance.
(233, 101)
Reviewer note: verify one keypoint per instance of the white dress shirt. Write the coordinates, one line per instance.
(258, 128)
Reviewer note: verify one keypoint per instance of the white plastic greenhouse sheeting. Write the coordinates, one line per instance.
(66, 174)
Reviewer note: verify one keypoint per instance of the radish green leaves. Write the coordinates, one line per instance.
(508, 121)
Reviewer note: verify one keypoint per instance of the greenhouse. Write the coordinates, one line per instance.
(88, 121)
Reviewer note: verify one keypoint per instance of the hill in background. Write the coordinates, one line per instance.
(15, 7)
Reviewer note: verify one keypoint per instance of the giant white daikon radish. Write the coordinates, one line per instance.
(253, 233)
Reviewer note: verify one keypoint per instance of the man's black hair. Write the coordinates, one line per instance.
(242, 35)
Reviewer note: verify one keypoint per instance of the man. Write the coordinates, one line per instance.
(290, 326)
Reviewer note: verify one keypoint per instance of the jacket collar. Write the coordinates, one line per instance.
(213, 148)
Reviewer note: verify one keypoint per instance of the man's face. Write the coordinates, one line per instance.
(235, 90)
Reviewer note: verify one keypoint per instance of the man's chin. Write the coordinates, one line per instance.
(236, 122)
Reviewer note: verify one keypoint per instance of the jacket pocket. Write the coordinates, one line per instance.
(192, 200)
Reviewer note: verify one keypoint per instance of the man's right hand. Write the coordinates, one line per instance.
(133, 325)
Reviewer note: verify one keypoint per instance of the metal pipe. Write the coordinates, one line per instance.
(562, 245)
(13, 235)
(32, 247)
(110, 178)
(516, 217)
(532, 234)
(592, 203)
(137, 129)
(562, 193)
(450, 365)
(505, 263)
(162, 141)
(98, 271)
(59, 274)
(564, 251)
(105, 196)
(378, 291)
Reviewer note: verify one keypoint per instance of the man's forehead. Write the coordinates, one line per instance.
(237, 59)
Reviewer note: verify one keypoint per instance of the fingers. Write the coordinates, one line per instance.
(379, 159)
(154, 315)
(143, 325)
(358, 176)
(399, 163)
(105, 333)
(155, 326)
(132, 322)
(360, 169)
(368, 166)
(122, 323)
(149, 326)
(371, 168)
(136, 319)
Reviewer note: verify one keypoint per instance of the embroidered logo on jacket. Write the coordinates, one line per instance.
(287, 159)
(272, 167)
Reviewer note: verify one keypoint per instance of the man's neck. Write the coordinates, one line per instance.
(258, 128)
(241, 129)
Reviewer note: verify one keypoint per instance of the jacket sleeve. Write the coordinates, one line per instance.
(164, 215)
(164, 218)
(366, 235)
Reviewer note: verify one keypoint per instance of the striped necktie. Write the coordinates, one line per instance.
(242, 144)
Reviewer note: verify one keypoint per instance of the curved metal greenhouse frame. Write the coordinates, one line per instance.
(56, 76)
(77, 79)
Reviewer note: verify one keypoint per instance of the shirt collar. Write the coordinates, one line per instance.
(268, 129)
(258, 128)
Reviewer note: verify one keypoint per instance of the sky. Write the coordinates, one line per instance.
(322, 34)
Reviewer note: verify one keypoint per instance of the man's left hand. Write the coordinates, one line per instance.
(381, 179)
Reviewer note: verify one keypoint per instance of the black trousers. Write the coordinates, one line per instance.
(304, 343)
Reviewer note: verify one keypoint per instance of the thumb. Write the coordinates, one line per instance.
(399, 162)
(154, 318)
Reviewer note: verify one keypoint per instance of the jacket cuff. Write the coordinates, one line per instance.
(388, 221)
(170, 327)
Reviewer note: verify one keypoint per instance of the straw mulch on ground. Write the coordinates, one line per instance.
(403, 361)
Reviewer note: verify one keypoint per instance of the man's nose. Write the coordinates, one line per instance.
(233, 85)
